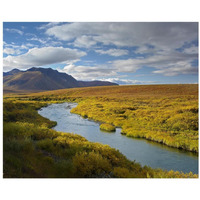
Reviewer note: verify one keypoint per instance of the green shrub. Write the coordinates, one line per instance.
(46, 144)
(121, 172)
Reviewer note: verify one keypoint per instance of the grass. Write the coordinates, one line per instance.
(163, 113)
(107, 127)
(173, 122)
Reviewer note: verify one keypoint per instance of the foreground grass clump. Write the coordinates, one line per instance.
(107, 127)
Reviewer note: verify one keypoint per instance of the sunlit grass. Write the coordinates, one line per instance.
(107, 127)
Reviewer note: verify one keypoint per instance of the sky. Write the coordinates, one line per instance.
(122, 52)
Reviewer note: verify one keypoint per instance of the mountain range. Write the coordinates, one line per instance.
(42, 79)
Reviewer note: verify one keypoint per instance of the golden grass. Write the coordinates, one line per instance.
(107, 127)
(131, 91)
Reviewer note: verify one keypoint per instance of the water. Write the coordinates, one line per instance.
(145, 152)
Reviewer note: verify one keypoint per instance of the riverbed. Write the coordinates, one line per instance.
(145, 152)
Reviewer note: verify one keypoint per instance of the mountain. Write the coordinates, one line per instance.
(12, 72)
(41, 79)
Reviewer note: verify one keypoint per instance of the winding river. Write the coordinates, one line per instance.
(145, 152)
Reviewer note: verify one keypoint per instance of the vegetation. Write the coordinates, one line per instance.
(167, 114)
(173, 122)
(107, 127)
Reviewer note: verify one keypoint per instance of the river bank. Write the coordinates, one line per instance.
(144, 152)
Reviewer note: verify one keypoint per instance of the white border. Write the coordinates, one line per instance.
(91, 10)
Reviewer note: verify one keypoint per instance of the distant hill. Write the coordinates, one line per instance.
(95, 83)
(42, 79)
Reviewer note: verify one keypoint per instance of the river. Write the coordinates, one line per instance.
(145, 152)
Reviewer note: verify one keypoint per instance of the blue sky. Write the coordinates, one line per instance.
(125, 53)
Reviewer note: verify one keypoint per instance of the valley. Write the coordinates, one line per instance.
(167, 114)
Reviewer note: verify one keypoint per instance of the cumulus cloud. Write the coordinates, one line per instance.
(129, 65)
(19, 47)
(88, 72)
(113, 52)
(14, 49)
(10, 51)
(157, 43)
(177, 68)
(165, 35)
(13, 30)
(47, 41)
(42, 56)
(169, 64)
(84, 41)
(38, 40)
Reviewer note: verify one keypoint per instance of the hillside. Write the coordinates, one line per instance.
(128, 91)
(42, 79)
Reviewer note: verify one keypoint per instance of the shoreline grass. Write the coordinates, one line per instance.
(107, 127)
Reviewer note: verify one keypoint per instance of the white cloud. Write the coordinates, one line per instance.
(48, 25)
(10, 51)
(129, 65)
(28, 45)
(113, 52)
(41, 57)
(88, 72)
(146, 49)
(45, 41)
(178, 68)
(13, 30)
(38, 40)
(169, 64)
(18, 47)
(84, 41)
(191, 50)
(122, 81)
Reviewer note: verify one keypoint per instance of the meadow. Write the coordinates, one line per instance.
(164, 113)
